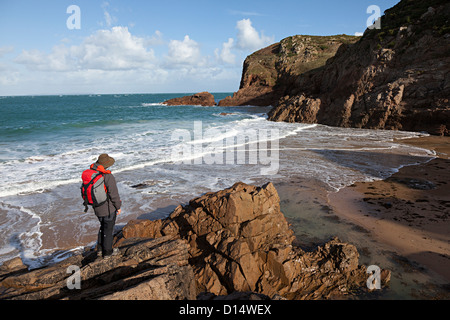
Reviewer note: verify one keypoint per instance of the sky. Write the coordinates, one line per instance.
(170, 46)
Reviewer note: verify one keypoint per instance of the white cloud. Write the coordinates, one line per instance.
(33, 59)
(115, 60)
(58, 60)
(248, 38)
(359, 34)
(155, 40)
(109, 19)
(226, 55)
(5, 50)
(114, 49)
(186, 52)
(8, 75)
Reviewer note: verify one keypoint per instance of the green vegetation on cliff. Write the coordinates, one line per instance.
(292, 56)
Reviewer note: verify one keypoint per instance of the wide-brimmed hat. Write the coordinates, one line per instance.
(105, 160)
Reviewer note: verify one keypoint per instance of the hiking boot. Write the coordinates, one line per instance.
(115, 252)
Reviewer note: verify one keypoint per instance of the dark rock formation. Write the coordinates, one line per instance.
(269, 72)
(205, 99)
(232, 242)
(393, 78)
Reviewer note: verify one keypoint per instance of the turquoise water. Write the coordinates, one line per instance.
(165, 156)
(52, 124)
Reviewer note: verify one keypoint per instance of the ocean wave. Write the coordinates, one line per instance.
(35, 187)
(151, 104)
(25, 224)
(139, 145)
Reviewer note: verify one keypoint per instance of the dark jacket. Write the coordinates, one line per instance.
(114, 203)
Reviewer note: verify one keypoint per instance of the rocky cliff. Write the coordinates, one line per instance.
(230, 242)
(396, 77)
(268, 73)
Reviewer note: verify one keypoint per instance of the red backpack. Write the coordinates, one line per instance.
(93, 189)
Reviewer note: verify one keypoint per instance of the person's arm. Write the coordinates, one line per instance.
(113, 192)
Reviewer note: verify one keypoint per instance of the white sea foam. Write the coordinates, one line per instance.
(39, 173)
(31, 241)
(151, 104)
(144, 148)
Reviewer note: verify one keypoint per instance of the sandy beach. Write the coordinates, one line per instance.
(408, 212)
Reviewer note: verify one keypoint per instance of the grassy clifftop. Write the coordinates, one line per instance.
(292, 56)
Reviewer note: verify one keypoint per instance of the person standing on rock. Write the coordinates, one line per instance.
(99, 190)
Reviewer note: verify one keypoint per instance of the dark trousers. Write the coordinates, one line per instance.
(105, 234)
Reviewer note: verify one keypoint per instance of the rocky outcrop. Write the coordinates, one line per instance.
(205, 99)
(393, 78)
(269, 72)
(232, 242)
(155, 269)
(240, 241)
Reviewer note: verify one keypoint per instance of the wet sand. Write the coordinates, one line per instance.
(410, 211)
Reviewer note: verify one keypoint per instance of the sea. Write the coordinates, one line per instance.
(164, 156)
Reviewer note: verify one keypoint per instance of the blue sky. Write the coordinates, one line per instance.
(153, 46)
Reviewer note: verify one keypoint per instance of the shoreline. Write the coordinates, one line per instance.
(408, 212)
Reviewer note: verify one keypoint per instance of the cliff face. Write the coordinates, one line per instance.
(393, 78)
(269, 72)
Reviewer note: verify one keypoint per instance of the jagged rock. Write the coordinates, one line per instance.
(12, 266)
(205, 99)
(144, 269)
(393, 78)
(239, 241)
(142, 229)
